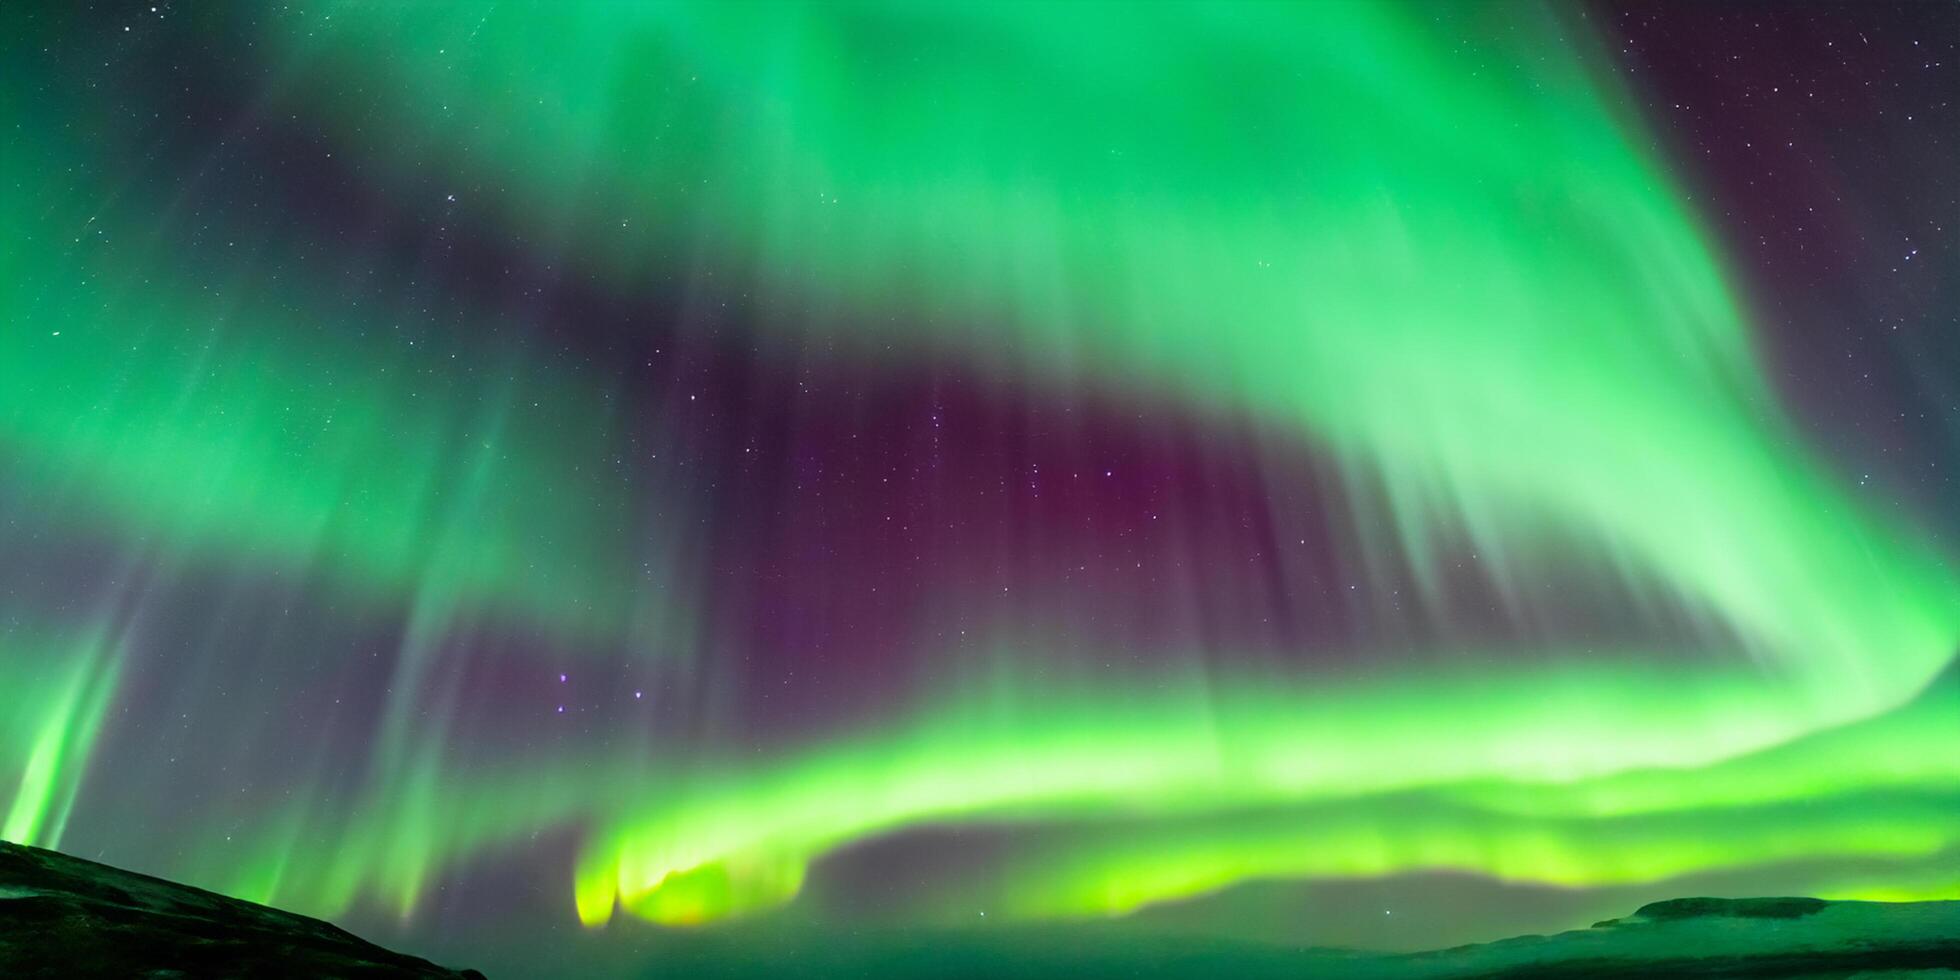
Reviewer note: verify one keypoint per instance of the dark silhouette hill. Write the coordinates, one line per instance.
(64, 917)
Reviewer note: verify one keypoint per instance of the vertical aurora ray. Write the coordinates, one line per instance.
(59, 693)
(660, 442)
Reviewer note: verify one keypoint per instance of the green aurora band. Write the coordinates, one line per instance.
(1428, 241)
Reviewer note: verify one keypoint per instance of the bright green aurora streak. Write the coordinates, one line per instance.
(60, 697)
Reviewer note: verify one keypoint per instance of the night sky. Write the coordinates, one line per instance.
(566, 487)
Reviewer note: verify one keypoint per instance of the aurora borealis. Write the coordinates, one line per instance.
(595, 476)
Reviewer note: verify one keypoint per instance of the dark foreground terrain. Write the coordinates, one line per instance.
(1712, 937)
(1684, 938)
(64, 917)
